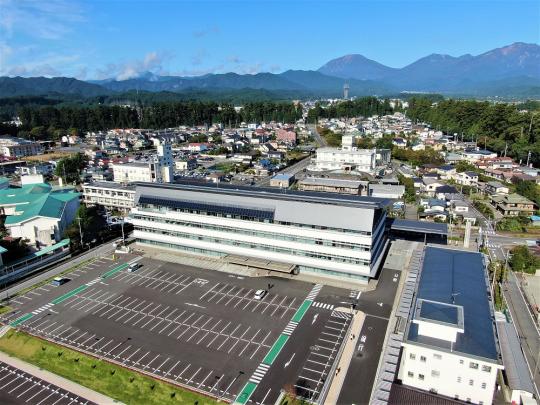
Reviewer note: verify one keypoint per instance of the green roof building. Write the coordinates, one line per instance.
(38, 212)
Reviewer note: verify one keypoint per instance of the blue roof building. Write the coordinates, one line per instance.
(450, 345)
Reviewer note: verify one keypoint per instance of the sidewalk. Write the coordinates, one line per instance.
(345, 359)
(61, 382)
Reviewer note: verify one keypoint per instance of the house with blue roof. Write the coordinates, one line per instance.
(450, 344)
(38, 213)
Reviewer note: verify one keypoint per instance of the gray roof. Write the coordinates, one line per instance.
(419, 226)
(322, 209)
(322, 181)
(458, 278)
(514, 362)
(112, 185)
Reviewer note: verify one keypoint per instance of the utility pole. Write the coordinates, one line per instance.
(80, 231)
(528, 157)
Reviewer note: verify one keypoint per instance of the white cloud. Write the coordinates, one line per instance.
(151, 62)
(45, 19)
(40, 65)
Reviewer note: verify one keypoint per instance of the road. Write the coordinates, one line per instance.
(293, 169)
(39, 277)
(320, 140)
(527, 330)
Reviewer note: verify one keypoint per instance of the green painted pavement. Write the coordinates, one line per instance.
(115, 270)
(69, 294)
(244, 395)
(301, 311)
(21, 319)
(276, 348)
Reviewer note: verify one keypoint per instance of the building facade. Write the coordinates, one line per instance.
(110, 195)
(336, 236)
(361, 160)
(18, 147)
(159, 170)
(450, 346)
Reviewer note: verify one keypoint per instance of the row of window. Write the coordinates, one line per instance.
(222, 241)
(157, 208)
(437, 374)
(263, 234)
(438, 356)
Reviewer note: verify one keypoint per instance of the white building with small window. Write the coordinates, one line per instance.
(347, 159)
(450, 345)
(336, 236)
(109, 194)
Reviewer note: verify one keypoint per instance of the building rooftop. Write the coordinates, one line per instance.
(34, 200)
(419, 226)
(456, 282)
(112, 185)
(323, 181)
(320, 209)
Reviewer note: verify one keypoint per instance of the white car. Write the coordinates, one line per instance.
(133, 267)
(259, 294)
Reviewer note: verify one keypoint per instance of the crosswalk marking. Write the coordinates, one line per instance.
(323, 305)
(314, 292)
(259, 373)
(289, 329)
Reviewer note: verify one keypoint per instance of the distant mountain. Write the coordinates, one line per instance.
(356, 67)
(444, 73)
(302, 81)
(37, 86)
(512, 70)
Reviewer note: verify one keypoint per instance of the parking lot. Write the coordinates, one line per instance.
(19, 387)
(198, 328)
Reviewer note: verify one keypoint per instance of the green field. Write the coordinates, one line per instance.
(109, 379)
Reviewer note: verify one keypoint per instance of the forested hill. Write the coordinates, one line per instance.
(493, 125)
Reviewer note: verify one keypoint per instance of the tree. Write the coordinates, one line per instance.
(92, 226)
(69, 168)
(523, 260)
(529, 189)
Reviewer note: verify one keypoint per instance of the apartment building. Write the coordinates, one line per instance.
(18, 147)
(109, 194)
(332, 235)
(359, 160)
(450, 346)
(158, 170)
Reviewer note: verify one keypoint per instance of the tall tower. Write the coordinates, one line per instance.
(346, 91)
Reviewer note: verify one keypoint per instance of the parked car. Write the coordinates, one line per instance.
(259, 294)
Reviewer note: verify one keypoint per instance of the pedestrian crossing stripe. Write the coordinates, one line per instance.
(339, 314)
(289, 329)
(259, 373)
(323, 305)
(314, 292)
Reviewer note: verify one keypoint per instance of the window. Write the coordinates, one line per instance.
(461, 362)
(435, 373)
(423, 359)
(487, 369)
(421, 377)
(471, 382)
(473, 365)
(437, 356)
(459, 379)
(484, 385)
(412, 356)
(456, 397)
(410, 374)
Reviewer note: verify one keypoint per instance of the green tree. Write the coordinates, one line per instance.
(69, 168)
(523, 260)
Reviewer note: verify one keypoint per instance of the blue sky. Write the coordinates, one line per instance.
(121, 38)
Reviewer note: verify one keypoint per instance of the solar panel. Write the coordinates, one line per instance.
(215, 208)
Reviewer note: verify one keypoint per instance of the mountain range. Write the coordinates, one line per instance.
(510, 71)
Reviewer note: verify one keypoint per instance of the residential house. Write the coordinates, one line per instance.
(430, 186)
(512, 204)
(446, 171)
(494, 187)
(466, 178)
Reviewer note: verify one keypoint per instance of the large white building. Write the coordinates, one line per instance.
(450, 345)
(159, 170)
(18, 147)
(333, 235)
(109, 194)
(360, 160)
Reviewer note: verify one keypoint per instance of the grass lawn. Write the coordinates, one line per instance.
(4, 309)
(289, 399)
(109, 379)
